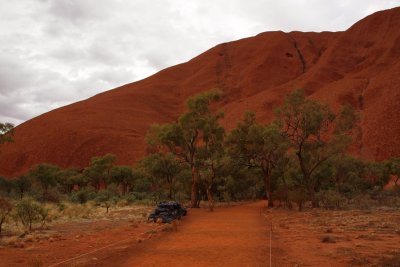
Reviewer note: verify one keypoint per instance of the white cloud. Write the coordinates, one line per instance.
(54, 52)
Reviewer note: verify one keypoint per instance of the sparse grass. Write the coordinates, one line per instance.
(16, 235)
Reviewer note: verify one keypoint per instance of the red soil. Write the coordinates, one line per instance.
(230, 236)
(73, 239)
(360, 66)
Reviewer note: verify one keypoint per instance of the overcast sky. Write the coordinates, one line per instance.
(55, 52)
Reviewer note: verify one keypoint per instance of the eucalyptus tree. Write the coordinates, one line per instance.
(45, 176)
(184, 137)
(259, 146)
(98, 173)
(315, 134)
(123, 176)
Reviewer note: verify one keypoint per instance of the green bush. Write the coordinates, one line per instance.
(82, 196)
(29, 211)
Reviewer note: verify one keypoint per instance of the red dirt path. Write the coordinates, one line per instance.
(231, 236)
(235, 236)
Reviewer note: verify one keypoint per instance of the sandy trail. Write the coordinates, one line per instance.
(233, 236)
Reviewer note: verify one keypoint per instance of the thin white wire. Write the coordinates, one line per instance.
(91, 252)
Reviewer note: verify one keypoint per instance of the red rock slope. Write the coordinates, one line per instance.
(360, 66)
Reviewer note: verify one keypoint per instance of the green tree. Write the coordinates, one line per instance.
(6, 132)
(98, 172)
(163, 168)
(106, 199)
(315, 134)
(5, 209)
(68, 178)
(22, 185)
(45, 175)
(123, 176)
(210, 156)
(6, 186)
(185, 137)
(258, 146)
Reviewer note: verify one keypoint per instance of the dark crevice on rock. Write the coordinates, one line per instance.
(301, 57)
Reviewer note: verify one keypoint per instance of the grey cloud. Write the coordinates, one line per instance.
(14, 74)
(115, 75)
(54, 52)
(76, 10)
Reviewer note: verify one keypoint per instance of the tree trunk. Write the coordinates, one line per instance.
(210, 198)
(300, 205)
(268, 192)
(170, 192)
(193, 196)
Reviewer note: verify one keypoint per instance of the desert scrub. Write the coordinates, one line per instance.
(5, 210)
(29, 211)
(331, 199)
(74, 210)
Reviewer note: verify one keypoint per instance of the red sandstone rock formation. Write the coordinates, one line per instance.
(360, 66)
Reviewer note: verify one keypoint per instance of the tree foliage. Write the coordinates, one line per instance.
(123, 176)
(258, 146)
(315, 134)
(184, 137)
(22, 185)
(98, 172)
(45, 176)
(6, 132)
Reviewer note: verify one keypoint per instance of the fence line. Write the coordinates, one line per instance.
(96, 250)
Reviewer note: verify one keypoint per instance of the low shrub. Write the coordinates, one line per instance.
(82, 196)
(5, 210)
(29, 211)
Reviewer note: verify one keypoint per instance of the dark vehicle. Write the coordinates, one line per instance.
(167, 211)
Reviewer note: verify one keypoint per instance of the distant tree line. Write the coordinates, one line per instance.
(300, 157)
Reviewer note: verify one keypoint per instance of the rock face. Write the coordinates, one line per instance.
(360, 66)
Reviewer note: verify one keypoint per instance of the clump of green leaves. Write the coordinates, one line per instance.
(29, 212)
